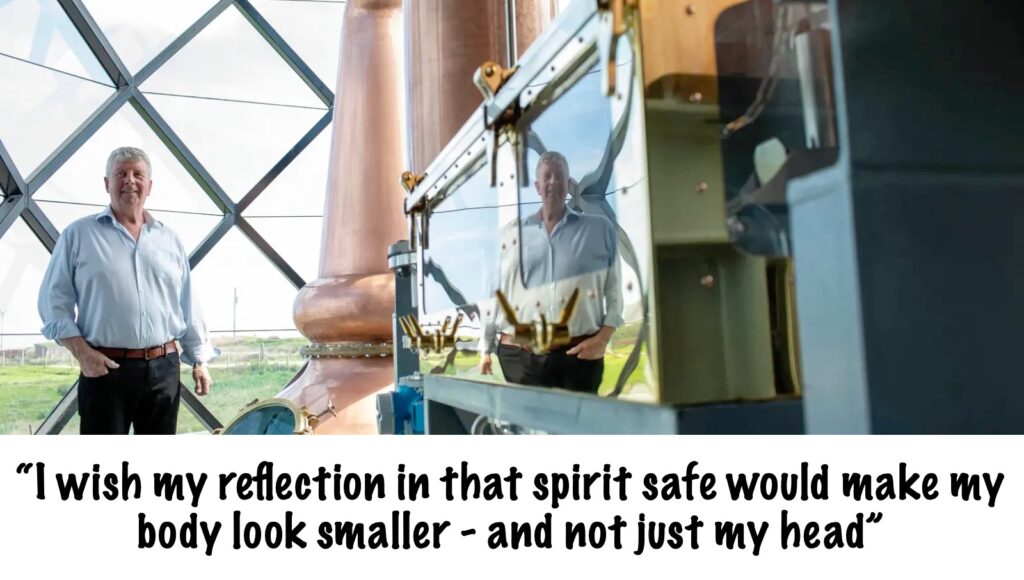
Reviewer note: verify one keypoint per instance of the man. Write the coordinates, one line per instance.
(562, 250)
(128, 276)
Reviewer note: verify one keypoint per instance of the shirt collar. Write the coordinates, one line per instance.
(108, 212)
(535, 220)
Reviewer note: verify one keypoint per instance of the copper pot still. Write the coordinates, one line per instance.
(348, 309)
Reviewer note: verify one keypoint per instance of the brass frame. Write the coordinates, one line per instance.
(305, 422)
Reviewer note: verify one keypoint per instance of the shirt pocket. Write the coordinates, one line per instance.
(167, 270)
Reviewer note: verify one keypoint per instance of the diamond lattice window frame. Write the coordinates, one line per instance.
(17, 190)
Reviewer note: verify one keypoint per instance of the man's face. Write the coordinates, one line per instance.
(552, 184)
(128, 185)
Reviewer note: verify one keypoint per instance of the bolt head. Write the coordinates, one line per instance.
(701, 187)
(707, 281)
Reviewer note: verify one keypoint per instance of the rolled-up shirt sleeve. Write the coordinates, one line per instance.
(613, 302)
(195, 344)
(489, 332)
(57, 294)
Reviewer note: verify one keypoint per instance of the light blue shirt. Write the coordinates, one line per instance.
(128, 294)
(579, 254)
(578, 244)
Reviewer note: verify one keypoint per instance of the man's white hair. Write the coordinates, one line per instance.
(553, 157)
(128, 155)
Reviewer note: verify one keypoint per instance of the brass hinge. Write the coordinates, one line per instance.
(410, 180)
(490, 77)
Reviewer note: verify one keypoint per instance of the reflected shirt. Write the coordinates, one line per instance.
(128, 294)
(581, 252)
(578, 244)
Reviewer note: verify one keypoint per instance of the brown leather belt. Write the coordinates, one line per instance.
(574, 341)
(139, 353)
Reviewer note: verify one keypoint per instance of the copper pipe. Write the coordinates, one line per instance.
(532, 17)
(445, 43)
(353, 299)
(363, 211)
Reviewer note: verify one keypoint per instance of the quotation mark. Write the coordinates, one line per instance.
(874, 518)
(24, 467)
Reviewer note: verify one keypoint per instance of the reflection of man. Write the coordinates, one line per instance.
(561, 250)
(128, 276)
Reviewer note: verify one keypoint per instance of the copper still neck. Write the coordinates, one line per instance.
(348, 308)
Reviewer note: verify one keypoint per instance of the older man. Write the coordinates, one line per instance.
(128, 276)
(562, 250)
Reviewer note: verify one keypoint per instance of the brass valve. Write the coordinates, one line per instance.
(540, 336)
(315, 420)
(436, 341)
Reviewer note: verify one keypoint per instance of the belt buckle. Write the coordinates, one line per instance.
(145, 352)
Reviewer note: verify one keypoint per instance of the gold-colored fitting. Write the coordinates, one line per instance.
(410, 180)
(490, 77)
(427, 342)
(556, 334)
(541, 335)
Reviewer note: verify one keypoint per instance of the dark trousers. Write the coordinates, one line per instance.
(140, 394)
(554, 369)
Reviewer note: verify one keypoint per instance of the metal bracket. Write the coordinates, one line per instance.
(616, 19)
(490, 77)
(415, 211)
(410, 180)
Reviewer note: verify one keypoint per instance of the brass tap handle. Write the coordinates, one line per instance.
(543, 332)
(406, 328)
(445, 338)
(436, 340)
(570, 307)
(522, 334)
(556, 334)
(415, 325)
(455, 327)
(414, 331)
